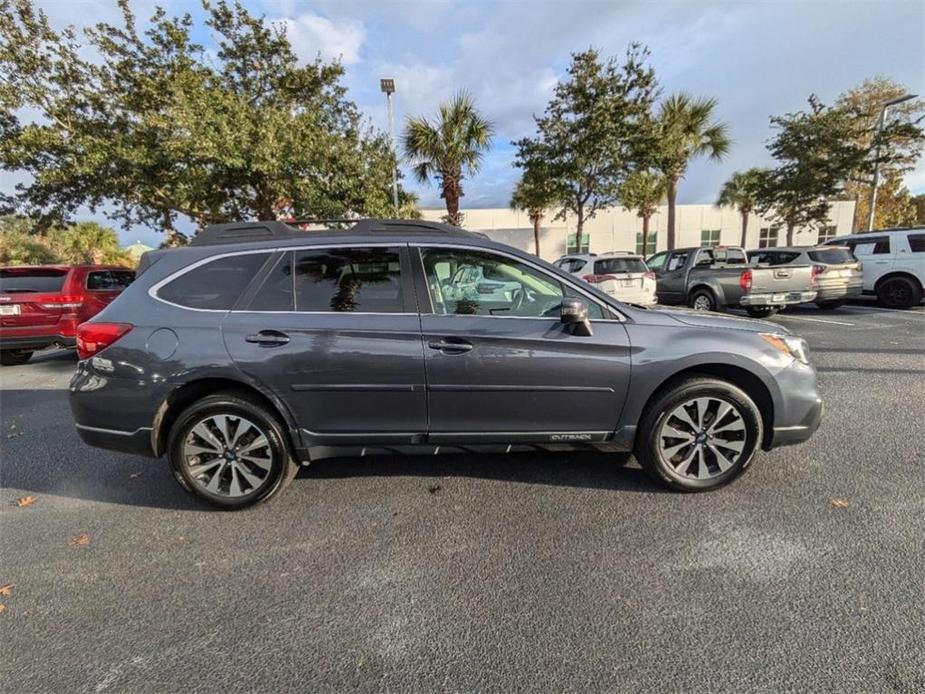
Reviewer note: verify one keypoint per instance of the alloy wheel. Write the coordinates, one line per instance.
(702, 303)
(703, 438)
(228, 455)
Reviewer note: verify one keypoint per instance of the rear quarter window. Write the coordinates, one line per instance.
(215, 285)
(25, 279)
(917, 243)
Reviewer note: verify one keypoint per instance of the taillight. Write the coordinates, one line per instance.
(745, 280)
(59, 301)
(95, 337)
(649, 276)
(594, 279)
(817, 270)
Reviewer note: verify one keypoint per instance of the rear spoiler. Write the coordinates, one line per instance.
(148, 259)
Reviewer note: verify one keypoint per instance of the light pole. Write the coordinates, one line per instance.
(388, 86)
(876, 181)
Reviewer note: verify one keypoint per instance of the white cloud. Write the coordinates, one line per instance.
(312, 35)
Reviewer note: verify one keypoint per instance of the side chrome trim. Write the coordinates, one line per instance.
(519, 389)
(355, 387)
(114, 432)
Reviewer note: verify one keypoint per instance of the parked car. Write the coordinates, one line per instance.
(42, 305)
(240, 358)
(837, 271)
(713, 279)
(621, 274)
(893, 263)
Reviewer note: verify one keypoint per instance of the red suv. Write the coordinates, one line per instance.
(42, 305)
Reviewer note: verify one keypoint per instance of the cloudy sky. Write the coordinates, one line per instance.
(755, 58)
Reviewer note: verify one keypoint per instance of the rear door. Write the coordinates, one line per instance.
(335, 333)
(876, 255)
(31, 300)
(507, 370)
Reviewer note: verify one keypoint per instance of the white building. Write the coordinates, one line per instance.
(616, 229)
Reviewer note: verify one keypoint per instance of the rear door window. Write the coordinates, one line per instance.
(109, 280)
(344, 280)
(216, 285)
(26, 279)
(611, 266)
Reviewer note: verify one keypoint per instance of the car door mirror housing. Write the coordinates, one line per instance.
(574, 316)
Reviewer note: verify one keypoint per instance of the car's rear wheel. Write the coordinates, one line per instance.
(14, 357)
(703, 300)
(762, 311)
(899, 292)
(835, 303)
(699, 434)
(230, 451)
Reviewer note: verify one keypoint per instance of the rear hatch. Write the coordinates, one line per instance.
(781, 279)
(836, 266)
(32, 297)
(619, 275)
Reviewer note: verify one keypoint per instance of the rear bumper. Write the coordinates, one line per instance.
(838, 292)
(35, 342)
(777, 299)
(137, 442)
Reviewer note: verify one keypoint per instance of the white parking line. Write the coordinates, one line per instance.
(815, 320)
(877, 309)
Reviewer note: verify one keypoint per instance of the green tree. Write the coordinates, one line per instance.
(643, 191)
(448, 147)
(902, 143)
(596, 130)
(686, 129)
(154, 127)
(741, 192)
(20, 246)
(88, 242)
(817, 150)
(533, 194)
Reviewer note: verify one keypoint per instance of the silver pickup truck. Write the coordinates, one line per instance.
(712, 279)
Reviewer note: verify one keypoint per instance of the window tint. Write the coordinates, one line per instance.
(109, 280)
(608, 266)
(215, 285)
(275, 294)
(832, 256)
(28, 279)
(783, 257)
(917, 243)
(873, 245)
(656, 262)
(347, 280)
(483, 284)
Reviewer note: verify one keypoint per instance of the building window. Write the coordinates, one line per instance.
(572, 247)
(767, 237)
(709, 238)
(827, 234)
(651, 244)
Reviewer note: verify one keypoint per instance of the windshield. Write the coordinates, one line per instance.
(832, 256)
(29, 279)
(609, 266)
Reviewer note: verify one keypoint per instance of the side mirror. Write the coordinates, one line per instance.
(574, 316)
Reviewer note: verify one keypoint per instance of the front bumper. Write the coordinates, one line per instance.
(799, 412)
(777, 298)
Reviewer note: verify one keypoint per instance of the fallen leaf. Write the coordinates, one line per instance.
(12, 435)
(26, 501)
(2, 608)
(6, 590)
(434, 488)
(840, 503)
(134, 475)
(80, 540)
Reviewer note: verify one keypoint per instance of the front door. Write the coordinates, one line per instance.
(501, 367)
(672, 279)
(335, 333)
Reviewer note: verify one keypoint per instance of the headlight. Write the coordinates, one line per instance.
(796, 347)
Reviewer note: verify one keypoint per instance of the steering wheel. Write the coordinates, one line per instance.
(520, 297)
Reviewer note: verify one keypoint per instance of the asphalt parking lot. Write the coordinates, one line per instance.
(556, 572)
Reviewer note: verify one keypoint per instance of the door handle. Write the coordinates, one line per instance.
(451, 347)
(268, 338)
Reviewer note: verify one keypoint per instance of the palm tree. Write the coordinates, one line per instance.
(533, 195)
(446, 148)
(686, 130)
(643, 191)
(741, 192)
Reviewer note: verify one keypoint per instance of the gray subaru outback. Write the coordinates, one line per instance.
(261, 347)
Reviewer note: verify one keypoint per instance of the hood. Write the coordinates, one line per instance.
(705, 319)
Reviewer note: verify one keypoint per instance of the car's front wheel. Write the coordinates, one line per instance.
(229, 450)
(699, 434)
(14, 357)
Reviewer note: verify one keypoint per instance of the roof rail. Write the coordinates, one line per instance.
(243, 232)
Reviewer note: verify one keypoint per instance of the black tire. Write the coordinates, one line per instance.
(282, 468)
(14, 357)
(648, 451)
(899, 292)
(762, 311)
(835, 303)
(702, 300)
